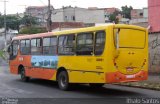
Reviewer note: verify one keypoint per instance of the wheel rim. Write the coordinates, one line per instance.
(63, 81)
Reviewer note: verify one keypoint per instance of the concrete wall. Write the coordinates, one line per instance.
(139, 20)
(136, 13)
(57, 15)
(154, 15)
(66, 14)
(154, 53)
(145, 12)
(90, 16)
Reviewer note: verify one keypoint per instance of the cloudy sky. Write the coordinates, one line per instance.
(14, 6)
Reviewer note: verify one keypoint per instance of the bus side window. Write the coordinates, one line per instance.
(99, 42)
(50, 45)
(66, 45)
(84, 44)
(25, 47)
(36, 46)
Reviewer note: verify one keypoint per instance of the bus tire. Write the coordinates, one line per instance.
(96, 85)
(24, 78)
(63, 80)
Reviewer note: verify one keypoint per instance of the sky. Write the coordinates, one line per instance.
(18, 6)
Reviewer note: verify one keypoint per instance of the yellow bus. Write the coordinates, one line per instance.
(94, 55)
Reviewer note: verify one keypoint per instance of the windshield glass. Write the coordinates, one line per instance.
(130, 38)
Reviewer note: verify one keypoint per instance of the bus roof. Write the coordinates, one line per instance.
(87, 29)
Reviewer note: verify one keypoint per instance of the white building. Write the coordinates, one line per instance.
(145, 12)
(75, 14)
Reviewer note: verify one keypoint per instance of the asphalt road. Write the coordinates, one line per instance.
(12, 87)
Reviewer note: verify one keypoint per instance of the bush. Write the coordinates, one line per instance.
(32, 30)
(1, 53)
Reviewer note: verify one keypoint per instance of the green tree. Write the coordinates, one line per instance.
(12, 22)
(113, 17)
(126, 11)
(29, 21)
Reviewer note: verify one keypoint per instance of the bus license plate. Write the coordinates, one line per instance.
(130, 76)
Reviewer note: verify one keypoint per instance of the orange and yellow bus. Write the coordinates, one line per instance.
(94, 55)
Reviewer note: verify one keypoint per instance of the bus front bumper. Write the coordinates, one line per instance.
(115, 77)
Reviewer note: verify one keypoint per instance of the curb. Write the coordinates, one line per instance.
(139, 86)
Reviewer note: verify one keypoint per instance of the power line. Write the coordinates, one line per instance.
(42, 2)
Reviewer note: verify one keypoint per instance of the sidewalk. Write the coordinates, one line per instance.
(153, 83)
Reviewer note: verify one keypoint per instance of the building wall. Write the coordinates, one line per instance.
(57, 15)
(89, 16)
(40, 12)
(154, 53)
(145, 12)
(154, 15)
(70, 14)
(136, 13)
(139, 20)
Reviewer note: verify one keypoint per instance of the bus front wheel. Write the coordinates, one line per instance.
(23, 75)
(63, 80)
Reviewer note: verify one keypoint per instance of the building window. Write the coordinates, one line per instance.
(73, 18)
(99, 42)
(84, 44)
(66, 18)
(66, 45)
(141, 14)
(36, 46)
(50, 46)
(25, 47)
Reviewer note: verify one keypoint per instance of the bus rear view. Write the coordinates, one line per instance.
(130, 60)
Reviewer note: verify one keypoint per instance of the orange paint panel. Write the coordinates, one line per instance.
(14, 69)
(40, 73)
(115, 77)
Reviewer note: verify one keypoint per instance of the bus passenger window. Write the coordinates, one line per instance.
(36, 46)
(99, 42)
(84, 44)
(66, 45)
(25, 47)
(50, 46)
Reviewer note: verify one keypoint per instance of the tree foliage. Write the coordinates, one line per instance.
(113, 17)
(29, 21)
(126, 11)
(32, 30)
(12, 22)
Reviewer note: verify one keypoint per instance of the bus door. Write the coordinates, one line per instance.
(13, 52)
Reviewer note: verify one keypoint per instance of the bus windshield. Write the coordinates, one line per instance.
(130, 38)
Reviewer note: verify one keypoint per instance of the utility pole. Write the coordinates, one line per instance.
(5, 25)
(49, 21)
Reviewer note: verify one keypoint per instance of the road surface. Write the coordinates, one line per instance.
(12, 87)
